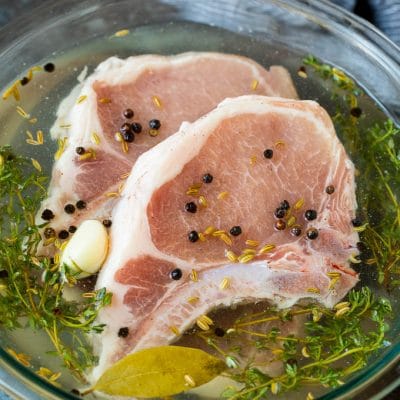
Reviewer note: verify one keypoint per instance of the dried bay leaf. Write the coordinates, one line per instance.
(159, 371)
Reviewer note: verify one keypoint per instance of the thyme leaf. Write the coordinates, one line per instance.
(325, 71)
(332, 347)
(375, 150)
(31, 287)
(381, 208)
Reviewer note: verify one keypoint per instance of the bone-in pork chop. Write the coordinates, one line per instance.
(249, 161)
(168, 89)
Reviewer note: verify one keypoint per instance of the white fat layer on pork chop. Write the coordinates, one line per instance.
(149, 232)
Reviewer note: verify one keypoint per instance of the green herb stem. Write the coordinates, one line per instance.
(268, 319)
(40, 301)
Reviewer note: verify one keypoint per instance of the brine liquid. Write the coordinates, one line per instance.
(41, 97)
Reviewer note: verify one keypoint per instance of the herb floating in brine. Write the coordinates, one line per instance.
(379, 190)
(24, 296)
(336, 75)
(158, 372)
(376, 154)
(335, 344)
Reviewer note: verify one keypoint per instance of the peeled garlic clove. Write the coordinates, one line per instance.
(87, 249)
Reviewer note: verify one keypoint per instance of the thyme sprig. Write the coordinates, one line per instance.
(381, 173)
(375, 151)
(333, 346)
(340, 79)
(31, 286)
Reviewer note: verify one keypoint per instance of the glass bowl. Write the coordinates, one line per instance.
(78, 33)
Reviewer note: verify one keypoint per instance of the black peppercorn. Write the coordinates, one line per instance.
(191, 207)
(49, 67)
(3, 274)
(302, 72)
(154, 124)
(49, 233)
(123, 332)
(285, 205)
(80, 204)
(219, 332)
(207, 178)
(24, 81)
(80, 150)
(310, 215)
(268, 153)
(361, 246)
(295, 231)
(63, 234)
(125, 127)
(47, 214)
(128, 113)
(312, 233)
(176, 274)
(69, 208)
(136, 127)
(356, 222)
(76, 392)
(292, 362)
(57, 311)
(72, 229)
(330, 189)
(235, 230)
(193, 236)
(356, 112)
(107, 223)
(280, 225)
(128, 136)
(280, 213)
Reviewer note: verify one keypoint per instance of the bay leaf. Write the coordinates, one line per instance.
(159, 371)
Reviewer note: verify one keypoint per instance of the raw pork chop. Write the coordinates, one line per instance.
(171, 89)
(149, 237)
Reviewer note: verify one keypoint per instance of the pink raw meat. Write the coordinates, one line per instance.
(171, 89)
(149, 237)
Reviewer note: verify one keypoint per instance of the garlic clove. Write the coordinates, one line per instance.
(87, 249)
